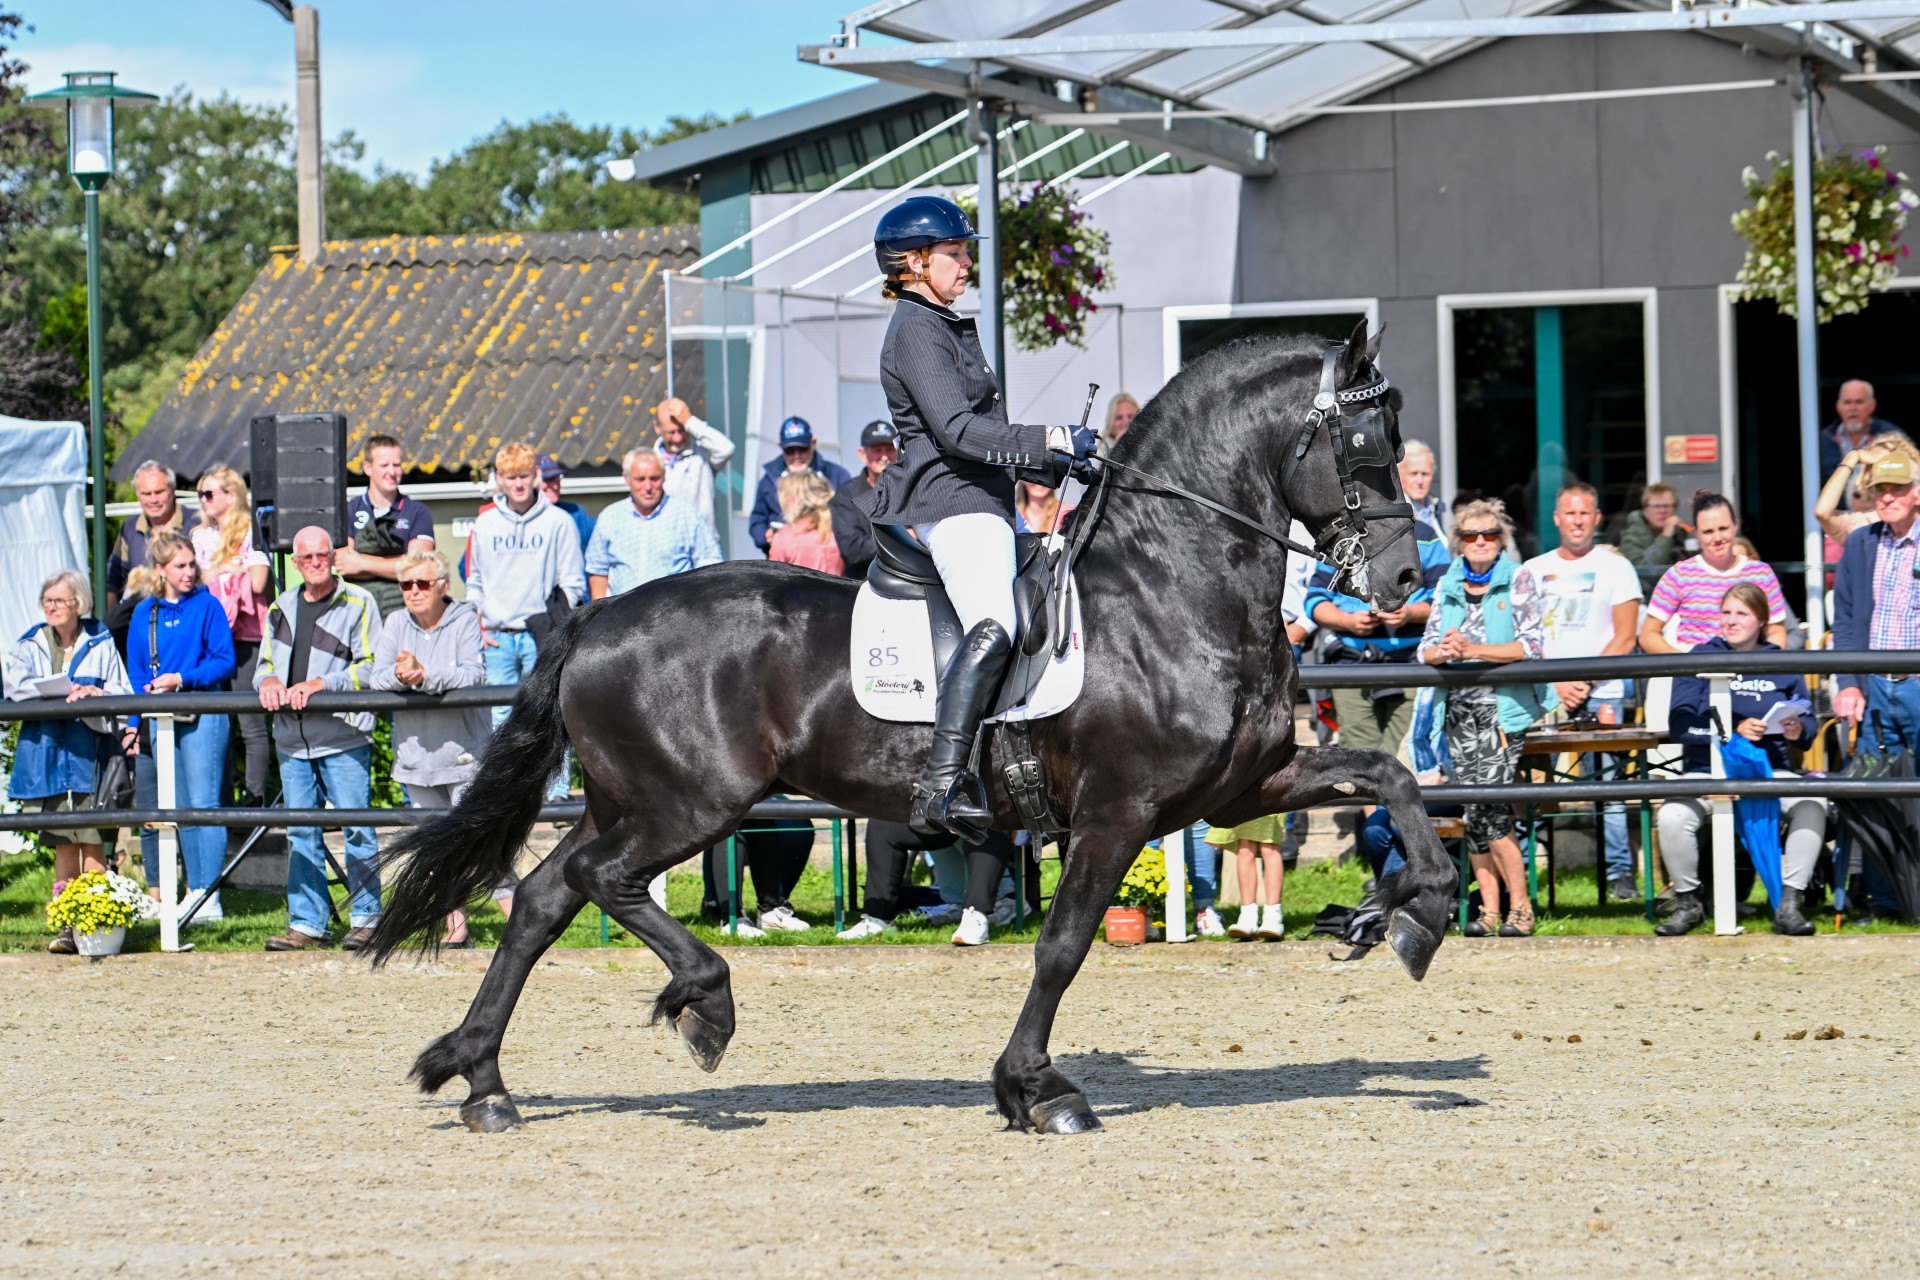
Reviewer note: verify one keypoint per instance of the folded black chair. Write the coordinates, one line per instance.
(1886, 830)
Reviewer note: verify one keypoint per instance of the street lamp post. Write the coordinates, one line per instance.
(89, 98)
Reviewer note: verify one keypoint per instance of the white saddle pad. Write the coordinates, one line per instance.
(892, 662)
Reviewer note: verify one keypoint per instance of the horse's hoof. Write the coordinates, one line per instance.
(494, 1113)
(1068, 1113)
(706, 1042)
(1413, 942)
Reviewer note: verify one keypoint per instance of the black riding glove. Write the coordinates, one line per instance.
(1079, 446)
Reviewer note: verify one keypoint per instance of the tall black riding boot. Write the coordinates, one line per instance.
(948, 797)
(1791, 918)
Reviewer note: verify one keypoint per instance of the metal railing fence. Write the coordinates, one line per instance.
(1718, 668)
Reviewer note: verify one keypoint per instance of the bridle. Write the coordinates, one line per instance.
(1361, 437)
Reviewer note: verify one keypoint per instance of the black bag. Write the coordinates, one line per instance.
(113, 781)
(541, 625)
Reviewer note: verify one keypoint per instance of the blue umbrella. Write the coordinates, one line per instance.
(1759, 819)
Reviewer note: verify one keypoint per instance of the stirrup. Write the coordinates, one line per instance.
(961, 810)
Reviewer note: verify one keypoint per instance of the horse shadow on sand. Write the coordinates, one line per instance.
(1122, 1085)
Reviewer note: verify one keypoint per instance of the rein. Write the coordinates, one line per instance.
(1343, 544)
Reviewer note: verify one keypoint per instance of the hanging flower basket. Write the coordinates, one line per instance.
(1860, 208)
(1052, 260)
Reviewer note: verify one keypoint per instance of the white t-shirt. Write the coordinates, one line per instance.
(1580, 596)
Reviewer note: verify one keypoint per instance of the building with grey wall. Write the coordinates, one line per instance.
(1556, 279)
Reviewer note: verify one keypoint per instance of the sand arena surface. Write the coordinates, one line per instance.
(248, 1115)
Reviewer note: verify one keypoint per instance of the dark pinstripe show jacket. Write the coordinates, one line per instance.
(958, 452)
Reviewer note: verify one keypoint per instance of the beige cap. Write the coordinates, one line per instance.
(1895, 468)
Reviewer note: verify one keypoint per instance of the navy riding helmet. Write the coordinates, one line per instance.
(917, 223)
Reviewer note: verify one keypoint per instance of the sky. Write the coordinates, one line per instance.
(418, 79)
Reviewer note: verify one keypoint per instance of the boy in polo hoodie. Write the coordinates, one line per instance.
(522, 551)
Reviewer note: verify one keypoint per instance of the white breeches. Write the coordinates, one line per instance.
(974, 554)
(1681, 822)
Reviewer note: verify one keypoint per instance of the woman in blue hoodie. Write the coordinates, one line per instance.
(180, 639)
(1743, 615)
(1487, 609)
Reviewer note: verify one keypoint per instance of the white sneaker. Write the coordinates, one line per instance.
(1247, 925)
(972, 931)
(1207, 924)
(868, 927)
(741, 929)
(1272, 927)
(209, 912)
(783, 920)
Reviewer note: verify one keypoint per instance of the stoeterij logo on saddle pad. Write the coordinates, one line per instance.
(892, 663)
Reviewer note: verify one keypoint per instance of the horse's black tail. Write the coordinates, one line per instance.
(454, 857)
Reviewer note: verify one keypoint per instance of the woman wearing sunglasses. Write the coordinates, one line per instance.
(236, 572)
(1487, 609)
(431, 646)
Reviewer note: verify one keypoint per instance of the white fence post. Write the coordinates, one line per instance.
(1726, 912)
(168, 832)
(1174, 847)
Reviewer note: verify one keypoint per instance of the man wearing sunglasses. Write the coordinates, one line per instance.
(319, 637)
(796, 454)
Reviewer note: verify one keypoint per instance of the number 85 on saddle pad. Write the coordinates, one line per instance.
(894, 670)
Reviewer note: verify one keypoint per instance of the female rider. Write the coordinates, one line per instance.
(953, 485)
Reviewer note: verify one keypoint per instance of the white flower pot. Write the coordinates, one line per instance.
(101, 942)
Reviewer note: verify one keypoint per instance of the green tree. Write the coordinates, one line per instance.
(205, 193)
(37, 379)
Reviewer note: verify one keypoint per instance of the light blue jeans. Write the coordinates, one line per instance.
(199, 762)
(509, 662)
(344, 780)
(1203, 867)
(1618, 854)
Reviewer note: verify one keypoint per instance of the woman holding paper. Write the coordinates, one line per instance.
(57, 764)
(1773, 713)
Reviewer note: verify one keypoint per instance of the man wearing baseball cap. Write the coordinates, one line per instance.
(796, 454)
(550, 477)
(1876, 597)
(852, 529)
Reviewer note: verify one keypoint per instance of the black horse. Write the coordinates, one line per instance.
(694, 697)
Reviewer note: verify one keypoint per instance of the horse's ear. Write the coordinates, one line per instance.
(1373, 347)
(1354, 355)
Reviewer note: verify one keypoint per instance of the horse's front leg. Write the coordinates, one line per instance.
(1419, 898)
(1030, 1093)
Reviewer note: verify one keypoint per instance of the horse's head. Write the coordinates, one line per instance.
(1342, 479)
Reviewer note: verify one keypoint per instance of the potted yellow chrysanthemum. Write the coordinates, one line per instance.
(98, 906)
(1144, 889)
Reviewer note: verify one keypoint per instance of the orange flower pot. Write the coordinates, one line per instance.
(1126, 926)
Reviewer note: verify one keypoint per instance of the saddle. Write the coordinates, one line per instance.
(905, 632)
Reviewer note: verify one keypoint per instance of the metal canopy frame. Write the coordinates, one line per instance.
(1243, 69)
(1229, 62)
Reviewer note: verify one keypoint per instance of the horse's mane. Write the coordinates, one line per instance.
(1244, 385)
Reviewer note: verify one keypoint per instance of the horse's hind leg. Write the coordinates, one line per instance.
(544, 904)
(1030, 1092)
(698, 999)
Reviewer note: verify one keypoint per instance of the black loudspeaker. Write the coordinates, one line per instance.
(300, 475)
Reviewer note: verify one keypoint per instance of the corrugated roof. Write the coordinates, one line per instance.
(453, 344)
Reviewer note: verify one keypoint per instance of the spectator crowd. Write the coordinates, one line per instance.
(191, 605)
